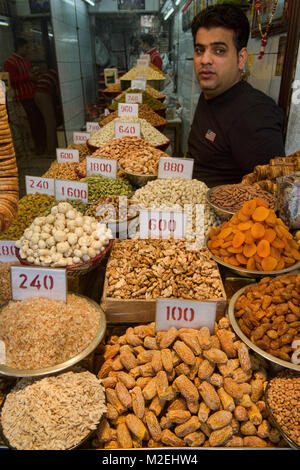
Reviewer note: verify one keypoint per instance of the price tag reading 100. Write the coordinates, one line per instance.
(38, 282)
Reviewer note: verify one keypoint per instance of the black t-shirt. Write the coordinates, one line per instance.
(233, 133)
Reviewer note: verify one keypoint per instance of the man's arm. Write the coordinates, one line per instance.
(14, 73)
(257, 136)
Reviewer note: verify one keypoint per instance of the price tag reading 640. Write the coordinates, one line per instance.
(132, 129)
(38, 282)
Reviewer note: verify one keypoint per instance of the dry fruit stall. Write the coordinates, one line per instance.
(147, 342)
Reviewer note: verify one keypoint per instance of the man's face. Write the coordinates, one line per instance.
(217, 63)
(24, 50)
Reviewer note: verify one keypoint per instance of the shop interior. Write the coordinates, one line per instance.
(172, 385)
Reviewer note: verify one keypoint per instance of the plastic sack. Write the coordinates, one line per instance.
(288, 200)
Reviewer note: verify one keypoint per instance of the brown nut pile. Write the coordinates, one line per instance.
(153, 268)
(5, 282)
(83, 150)
(182, 388)
(232, 196)
(269, 314)
(145, 112)
(63, 171)
(283, 398)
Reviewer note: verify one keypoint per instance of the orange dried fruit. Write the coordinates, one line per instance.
(238, 239)
(241, 258)
(269, 263)
(251, 264)
(249, 238)
(271, 219)
(244, 226)
(248, 207)
(242, 217)
(275, 253)
(257, 230)
(225, 232)
(261, 202)
(215, 243)
(280, 265)
(234, 250)
(249, 250)
(260, 214)
(277, 243)
(263, 248)
(270, 235)
(232, 260)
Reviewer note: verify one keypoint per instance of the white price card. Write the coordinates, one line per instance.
(2, 352)
(138, 84)
(169, 167)
(92, 126)
(101, 166)
(29, 282)
(131, 129)
(133, 97)
(128, 109)
(7, 251)
(38, 184)
(80, 137)
(67, 155)
(160, 224)
(142, 63)
(145, 57)
(67, 189)
(2, 92)
(184, 314)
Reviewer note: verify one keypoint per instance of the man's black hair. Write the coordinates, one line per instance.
(20, 42)
(226, 16)
(148, 39)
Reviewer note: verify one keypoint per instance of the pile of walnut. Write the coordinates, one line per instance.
(182, 388)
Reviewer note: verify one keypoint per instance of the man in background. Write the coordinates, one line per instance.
(22, 81)
(147, 44)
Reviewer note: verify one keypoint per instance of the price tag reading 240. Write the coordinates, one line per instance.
(38, 184)
(161, 224)
(38, 282)
(132, 129)
(175, 168)
(67, 189)
(184, 314)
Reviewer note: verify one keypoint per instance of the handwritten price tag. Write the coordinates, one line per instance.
(7, 251)
(38, 184)
(38, 282)
(101, 166)
(67, 155)
(132, 129)
(184, 314)
(142, 63)
(145, 57)
(133, 97)
(67, 189)
(127, 109)
(138, 84)
(92, 126)
(80, 137)
(175, 168)
(160, 224)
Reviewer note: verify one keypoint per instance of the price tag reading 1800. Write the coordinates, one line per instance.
(38, 184)
(38, 282)
(7, 251)
(175, 168)
(67, 189)
(131, 129)
(184, 314)
(101, 166)
(161, 224)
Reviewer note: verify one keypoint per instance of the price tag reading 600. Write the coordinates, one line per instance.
(38, 282)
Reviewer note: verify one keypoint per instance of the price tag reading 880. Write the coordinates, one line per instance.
(175, 167)
(38, 282)
(67, 189)
(184, 314)
(7, 251)
(132, 129)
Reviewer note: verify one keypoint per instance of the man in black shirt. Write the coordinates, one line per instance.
(235, 126)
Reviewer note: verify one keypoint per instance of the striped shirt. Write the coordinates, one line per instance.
(19, 70)
(47, 83)
(155, 58)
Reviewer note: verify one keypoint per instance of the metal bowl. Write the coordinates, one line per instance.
(138, 180)
(247, 273)
(223, 213)
(11, 372)
(250, 344)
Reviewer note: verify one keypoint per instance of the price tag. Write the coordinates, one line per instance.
(29, 282)
(161, 224)
(145, 57)
(175, 168)
(132, 129)
(138, 84)
(101, 166)
(142, 63)
(2, 92)
(80, 137)
(184, 314)
(67, 189)
(38, 184)
(2, 352)
(7, 251)
(127, 109)
(133, 97)
(92, 126)
(67, 155)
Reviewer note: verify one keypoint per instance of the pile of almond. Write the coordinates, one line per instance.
(182, 387)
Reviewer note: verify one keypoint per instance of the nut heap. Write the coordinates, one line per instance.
(149, 269)
(99, 186)
(143, 71)
(182, 387)
(62, 171)
(147, 99)
(232, 196)
(64, 237)
(145, 112)
(268, 313)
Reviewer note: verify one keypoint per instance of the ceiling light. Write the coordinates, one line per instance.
(4, 23)
(169, 13)
(90, 2)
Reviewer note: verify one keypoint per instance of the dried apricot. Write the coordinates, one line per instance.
(269, 263)
(263, 248)
(238, 239)
(248, 207)
(244, 226)
(270, 235)
(260, 214)
(249, 250)
(257, 230)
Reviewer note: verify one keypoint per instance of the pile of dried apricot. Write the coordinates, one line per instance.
(255, 238)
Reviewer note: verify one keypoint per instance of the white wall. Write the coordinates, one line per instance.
(108, 6)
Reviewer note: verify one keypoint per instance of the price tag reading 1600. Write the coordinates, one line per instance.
(38, 282)
(67, 189)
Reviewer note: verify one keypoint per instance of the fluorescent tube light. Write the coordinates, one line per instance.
(169, 13)
(90, 2)
(4, 23)
(177, 2)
